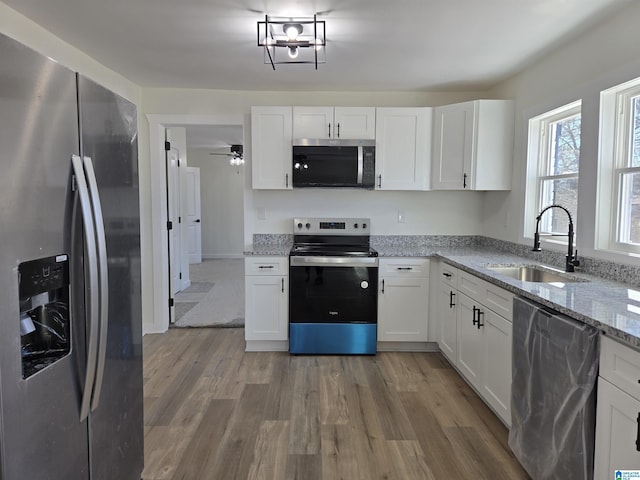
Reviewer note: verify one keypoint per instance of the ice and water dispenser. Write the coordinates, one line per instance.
(45, 329)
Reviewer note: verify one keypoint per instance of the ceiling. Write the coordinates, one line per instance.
(373, 45)
(213, 138)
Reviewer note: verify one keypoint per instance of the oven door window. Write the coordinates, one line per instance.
(331, 294)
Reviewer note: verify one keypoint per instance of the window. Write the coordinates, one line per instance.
(627, 171)
(553, 164)
(619, 169)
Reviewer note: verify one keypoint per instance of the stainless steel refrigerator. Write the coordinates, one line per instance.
(70, 308)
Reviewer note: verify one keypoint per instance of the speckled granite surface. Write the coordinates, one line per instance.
(608, 297)
(612, 307)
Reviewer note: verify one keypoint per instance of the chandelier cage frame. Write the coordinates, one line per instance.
(273, 39)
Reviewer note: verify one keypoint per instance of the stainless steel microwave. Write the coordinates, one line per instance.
(334, 163)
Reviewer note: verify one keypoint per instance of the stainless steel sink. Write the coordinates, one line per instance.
(533, 273)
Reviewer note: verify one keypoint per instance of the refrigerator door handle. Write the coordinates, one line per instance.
(92, 263)
(104, 279)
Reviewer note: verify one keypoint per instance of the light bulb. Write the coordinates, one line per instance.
(293, 52)
(292, 30)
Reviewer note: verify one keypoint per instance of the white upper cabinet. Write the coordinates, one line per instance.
(403, 148)
(347, 123)
(473, 145)
(271, 150)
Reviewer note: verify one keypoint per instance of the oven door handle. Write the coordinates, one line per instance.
(309, 261)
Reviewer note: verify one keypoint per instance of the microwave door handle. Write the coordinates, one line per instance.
(360, 164)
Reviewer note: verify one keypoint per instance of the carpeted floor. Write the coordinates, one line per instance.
(215, 297)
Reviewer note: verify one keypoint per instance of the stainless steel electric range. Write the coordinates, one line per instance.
(333, 278)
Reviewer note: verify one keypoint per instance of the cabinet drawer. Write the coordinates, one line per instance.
(620, 365)
(499, 300)
(472, 286)
(266, 266)
(403, 267)
(449, 275)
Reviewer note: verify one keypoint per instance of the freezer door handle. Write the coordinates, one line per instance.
(101, 243)
(91, 261)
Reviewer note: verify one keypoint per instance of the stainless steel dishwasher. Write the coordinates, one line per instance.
(553, 394)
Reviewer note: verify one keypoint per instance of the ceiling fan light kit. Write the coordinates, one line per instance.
(236, 154)
(292, 40)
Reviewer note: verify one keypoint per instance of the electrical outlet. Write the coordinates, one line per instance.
(262, 213)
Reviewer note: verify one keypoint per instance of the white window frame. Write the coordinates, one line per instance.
(538, 156)
(616, 120)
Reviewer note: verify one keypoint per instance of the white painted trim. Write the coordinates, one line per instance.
(267, 346)
(408, 347)
(158, 181)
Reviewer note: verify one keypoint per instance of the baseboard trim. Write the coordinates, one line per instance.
(408, 347)
(267, 346)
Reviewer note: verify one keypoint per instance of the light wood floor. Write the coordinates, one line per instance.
(214, 412)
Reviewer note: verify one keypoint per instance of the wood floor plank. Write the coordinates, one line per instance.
(305, 412)
(201, 452)
(304, 467)
(270, 454)
(408, 460)
(237, 449)
(214, 411)
(393, 418)
(278, 404)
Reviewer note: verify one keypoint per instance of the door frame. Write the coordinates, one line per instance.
(159, 279)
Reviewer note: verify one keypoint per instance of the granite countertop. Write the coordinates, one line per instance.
(612, 307)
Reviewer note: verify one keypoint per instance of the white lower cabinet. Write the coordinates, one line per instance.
(618, 410)
(447, 309)
(403, 299)
(496, 388)
(470, 342)
(266, 303)
(475, 335)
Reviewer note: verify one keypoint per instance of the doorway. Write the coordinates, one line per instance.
(158, 318)
(215, 297)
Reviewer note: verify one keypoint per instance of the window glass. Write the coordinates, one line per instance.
(564, 144)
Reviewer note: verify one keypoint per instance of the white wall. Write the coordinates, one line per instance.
(602, 57)
(222, 204)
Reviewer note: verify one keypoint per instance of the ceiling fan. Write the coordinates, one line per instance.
(235, 152)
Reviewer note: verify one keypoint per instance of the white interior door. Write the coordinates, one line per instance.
(192, 213)
(173, 212)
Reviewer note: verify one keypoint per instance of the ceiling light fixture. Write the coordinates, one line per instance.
(302, 38)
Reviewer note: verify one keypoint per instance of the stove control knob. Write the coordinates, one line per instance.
(364, 225)
(299, 225)
(308, 225)
(355, 225)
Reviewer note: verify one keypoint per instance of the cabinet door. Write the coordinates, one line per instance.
(616, 431)
(402, 309)
(452, 146)
(470, 342)
(313, 122)
(403, 148)
(271, 151)
(497, 382)
(447, 310)
(266, 307)
(355, 123)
